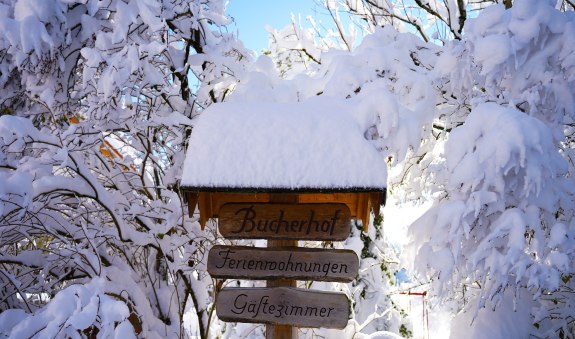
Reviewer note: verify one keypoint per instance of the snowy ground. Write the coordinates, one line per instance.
(510, 319)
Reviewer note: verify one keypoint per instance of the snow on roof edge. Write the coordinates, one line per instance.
(314, 145)
(240, 189)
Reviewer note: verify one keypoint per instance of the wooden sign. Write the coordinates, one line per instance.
(242, 262)
(283, 306)
(285, 221)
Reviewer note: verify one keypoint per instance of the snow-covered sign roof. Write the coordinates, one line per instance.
(312, 146)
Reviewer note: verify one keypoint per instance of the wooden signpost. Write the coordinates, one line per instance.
(242, 262)
(283, 305)
(285, 221)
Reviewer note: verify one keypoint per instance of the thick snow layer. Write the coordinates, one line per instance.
(509, 319)
(313, 144)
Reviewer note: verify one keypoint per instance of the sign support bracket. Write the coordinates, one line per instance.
(282, 331)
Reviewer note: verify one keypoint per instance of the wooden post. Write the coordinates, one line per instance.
(282, 331)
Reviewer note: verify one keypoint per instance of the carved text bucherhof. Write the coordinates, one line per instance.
(242, 262)
(281, 221)
(283, 305)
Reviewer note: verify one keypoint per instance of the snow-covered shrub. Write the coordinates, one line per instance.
(503, 214)
(96, 106)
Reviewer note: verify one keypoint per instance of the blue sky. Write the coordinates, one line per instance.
(251, 17)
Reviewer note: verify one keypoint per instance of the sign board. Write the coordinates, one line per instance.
(242, 262)
(283, 306)
(285, 221)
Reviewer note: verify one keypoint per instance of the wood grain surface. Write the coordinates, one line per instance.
(243, 262)
(285, 221)
(283, 305)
